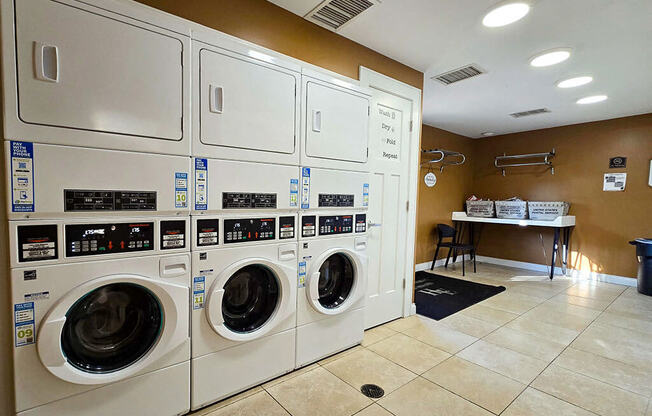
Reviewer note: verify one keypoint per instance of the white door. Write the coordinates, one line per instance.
(247, 104)
(336, 123)
(82, 70)
(389, 155)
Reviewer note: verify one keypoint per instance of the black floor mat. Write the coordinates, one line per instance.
(438, 296)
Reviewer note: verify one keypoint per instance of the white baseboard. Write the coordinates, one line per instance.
(582, 274)
(440, 262)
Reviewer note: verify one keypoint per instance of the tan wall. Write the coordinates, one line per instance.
(606, 221)
(273, 27)
(448, 195)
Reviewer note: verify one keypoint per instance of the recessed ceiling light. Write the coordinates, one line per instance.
(592, 99)
(550, 57)
(488, 133)
(574, 82)
(506, 14)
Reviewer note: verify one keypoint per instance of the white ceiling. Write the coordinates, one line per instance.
(611, 40)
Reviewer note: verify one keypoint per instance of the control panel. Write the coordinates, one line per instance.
(207, 232)
(335, 224)
(244, 200)
(37, 242)
(286, 227)
(360, 223)
(81, 200)
(308, 228)
(173, 234)
(249, 229)
(336, 200)
(94, 239)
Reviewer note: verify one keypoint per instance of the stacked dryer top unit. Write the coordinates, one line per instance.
(335, 128)
(332, 265)
(244, 265)
(247, 102)
(101, 315)
(65, 83)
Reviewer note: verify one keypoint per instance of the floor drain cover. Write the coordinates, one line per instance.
(372, 390)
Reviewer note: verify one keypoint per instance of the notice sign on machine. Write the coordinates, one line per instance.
(198, 292)
(24, 323)
(614, 182)
(22, 177)
(390, 122)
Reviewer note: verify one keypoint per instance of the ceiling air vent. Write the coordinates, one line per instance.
(333, 14)
(459, 74)
(530, 112)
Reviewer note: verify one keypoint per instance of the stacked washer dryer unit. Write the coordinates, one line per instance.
(334, 201)
(246, 176)
(100, 265)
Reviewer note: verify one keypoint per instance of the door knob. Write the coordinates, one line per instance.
(374, 224)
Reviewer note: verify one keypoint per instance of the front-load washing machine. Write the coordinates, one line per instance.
(244, 270)
(101, 316)
(52, 181)
(332, 283)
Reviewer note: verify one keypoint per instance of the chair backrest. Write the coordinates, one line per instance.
(445, 231)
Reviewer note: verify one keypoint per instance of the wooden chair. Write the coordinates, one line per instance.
(445, 231)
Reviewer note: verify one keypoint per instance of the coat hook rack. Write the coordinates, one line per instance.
(499, 161)
(441, 155)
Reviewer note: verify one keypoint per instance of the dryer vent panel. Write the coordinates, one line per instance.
(459, 74)
(333, 14)
(530, 112)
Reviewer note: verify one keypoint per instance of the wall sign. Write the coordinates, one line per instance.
(390, 121)
(618, 162)
(614, 182)
(430, 179)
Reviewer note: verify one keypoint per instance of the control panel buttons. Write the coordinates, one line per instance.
(360, 223)
(173, 235)
(286, 227)
(249, 229)
(336, 200)
(207, 232)
(95, 239)
(335, 224)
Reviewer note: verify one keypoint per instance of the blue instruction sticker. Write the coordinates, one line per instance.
(24, 323)
(198, 292)
(302, 274)
(294, 192)
(180, 190)
(365, 195)
(22, 177)
(305, 188)
(201, 184)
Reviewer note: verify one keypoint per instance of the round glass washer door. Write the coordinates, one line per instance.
(251, 296)
(111, 327)
(336, 280)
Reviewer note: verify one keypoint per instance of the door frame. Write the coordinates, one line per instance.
(377, 81)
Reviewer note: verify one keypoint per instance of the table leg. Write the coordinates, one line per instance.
(555, 246)
(565, 249)
(471, 235)
(458, 238)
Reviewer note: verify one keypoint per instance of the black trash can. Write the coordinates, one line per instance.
(644, 254)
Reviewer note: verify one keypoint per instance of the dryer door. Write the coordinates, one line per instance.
(250, 298)
(112, 327)
(336, 281)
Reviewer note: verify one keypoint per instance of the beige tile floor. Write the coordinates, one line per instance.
(561, 347)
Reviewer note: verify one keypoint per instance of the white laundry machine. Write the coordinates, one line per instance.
(332, 283)
(234, 186)
(328, 189)
(244, 270)
(53, 181)
(247, 101)
(335, 122)
(101, 316)
(65, 83)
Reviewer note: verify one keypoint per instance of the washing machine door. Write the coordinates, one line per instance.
(336, 281)
(250, 298)
(112, 327)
